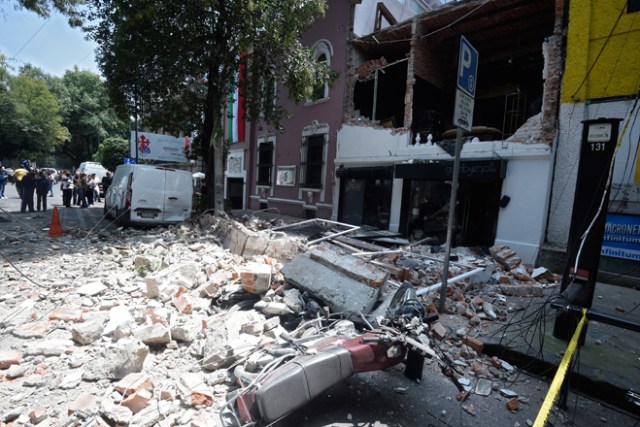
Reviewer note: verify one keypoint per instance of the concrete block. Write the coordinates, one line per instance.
(117, 360)
(284, 247)
(155, 334)
(117, 414)
(153, 414)
(521, 290)
(84, 406)
(336, 289)
(87, 332)
(91, 289)
(256, 244)
(255, 277)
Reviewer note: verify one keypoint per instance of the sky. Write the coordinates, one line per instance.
(50, 44)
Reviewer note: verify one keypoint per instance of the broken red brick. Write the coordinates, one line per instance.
(134, 382)
(513, 404)
(156, 317)
(201, 399)
(183, 304)
(138, 400)
(167, 394)
(476, 345)
(438, 330)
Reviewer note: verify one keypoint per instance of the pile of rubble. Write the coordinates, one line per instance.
(145, 328)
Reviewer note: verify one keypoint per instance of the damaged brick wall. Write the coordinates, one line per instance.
(554, 66)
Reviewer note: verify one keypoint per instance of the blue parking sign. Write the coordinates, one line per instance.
(467, 67)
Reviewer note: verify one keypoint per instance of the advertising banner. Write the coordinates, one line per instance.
(164, 148)
(622, 237)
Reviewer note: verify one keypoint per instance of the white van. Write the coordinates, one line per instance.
(91, 168)
(149, 194)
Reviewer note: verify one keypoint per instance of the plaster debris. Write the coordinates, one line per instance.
(154, 334)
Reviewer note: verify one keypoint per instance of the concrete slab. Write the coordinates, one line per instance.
(339, 291)
(354, 267)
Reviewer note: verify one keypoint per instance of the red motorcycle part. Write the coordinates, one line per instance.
(294, 384)
(302, 379)
(371, 355)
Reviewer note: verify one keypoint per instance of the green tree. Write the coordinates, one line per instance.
(32, 124)
(69, 8)
(112, 152)
(175, 63)
(87, 112)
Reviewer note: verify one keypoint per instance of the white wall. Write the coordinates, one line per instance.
(521, 222)
(567, 159)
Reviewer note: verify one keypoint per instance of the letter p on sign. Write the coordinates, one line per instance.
(467, 67)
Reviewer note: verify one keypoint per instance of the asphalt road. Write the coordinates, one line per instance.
(75, 219)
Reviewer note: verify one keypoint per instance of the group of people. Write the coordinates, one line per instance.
(82, 189)
(30, 182)
(79, 188)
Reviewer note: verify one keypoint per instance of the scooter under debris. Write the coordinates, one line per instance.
(287, 384)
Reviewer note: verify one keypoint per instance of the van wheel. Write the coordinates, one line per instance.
(117, 216)
(122, 218)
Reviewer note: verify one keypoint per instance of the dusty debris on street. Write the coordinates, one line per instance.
(156, 327)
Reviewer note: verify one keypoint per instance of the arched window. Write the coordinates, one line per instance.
(323, 51)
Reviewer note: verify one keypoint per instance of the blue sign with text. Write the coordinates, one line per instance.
(622, 237)
(467, 67)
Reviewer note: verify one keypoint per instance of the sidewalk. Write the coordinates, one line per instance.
(608, 364)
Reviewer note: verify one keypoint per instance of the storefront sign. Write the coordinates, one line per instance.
(622, 237)
(443, 170)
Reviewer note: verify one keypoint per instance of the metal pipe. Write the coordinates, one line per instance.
(396, 251)
(452, 280)
(332, 236)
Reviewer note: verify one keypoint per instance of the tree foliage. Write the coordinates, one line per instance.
(112, 152)
(31, 122)
(176, 63)
(69, 8)
(87, 112)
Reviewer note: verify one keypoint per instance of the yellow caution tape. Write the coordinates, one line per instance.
(558, 379)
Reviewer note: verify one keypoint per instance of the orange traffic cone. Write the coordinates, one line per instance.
(55, 230)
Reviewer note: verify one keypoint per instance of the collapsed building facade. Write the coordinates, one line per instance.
(376, 147)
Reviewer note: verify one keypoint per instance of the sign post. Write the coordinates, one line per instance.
(463, 119)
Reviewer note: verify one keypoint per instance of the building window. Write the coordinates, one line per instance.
(323, 51)
(265, 163)
(312, 162)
